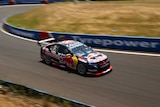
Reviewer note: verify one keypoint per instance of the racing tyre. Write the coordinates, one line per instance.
(81, 68)
(47, 60)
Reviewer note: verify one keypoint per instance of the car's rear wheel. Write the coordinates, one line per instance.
(81, 68)
(47, 60)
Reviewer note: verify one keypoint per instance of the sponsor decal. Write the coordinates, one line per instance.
(96, 57)
(44, 35)
(82, 59)
(108, 42)
(114, 42)
(74, 45)
(69, 61)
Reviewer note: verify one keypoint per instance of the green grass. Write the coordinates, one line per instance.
(19, 21)
(135, 17)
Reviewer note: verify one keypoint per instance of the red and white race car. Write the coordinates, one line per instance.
(74, 55)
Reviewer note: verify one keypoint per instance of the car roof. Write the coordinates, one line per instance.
(70, 43)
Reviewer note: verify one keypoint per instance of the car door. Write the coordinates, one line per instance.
(66, 57)
(62, 51)
(54, 54)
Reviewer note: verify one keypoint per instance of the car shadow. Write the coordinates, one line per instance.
(61, 68)
(74, 71)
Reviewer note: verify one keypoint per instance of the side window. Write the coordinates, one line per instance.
(54, 47)
(66, 51)
(63, 50)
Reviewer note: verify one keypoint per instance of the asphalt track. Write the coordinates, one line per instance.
(134, 81)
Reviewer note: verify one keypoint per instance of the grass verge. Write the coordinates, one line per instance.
(136, 17)
(14, 95)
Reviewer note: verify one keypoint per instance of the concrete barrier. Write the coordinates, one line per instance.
(13, 2)
(132, 43)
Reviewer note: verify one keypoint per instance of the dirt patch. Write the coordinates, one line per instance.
(10, 99)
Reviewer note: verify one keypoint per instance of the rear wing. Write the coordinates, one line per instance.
(46, 42)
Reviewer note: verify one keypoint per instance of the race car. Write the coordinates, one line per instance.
(74, 55)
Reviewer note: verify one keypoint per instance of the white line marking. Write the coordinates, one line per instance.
(102, 50)
(129, 53)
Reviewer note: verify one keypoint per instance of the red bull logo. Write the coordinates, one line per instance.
(71, 61)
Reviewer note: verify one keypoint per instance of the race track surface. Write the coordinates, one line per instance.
(134, 81)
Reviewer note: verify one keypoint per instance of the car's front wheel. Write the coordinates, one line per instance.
(81, 68)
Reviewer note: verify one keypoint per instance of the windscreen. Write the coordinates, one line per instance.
(81, 50)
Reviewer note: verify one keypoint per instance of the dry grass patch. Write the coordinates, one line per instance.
(11, 100)
(138, 17)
